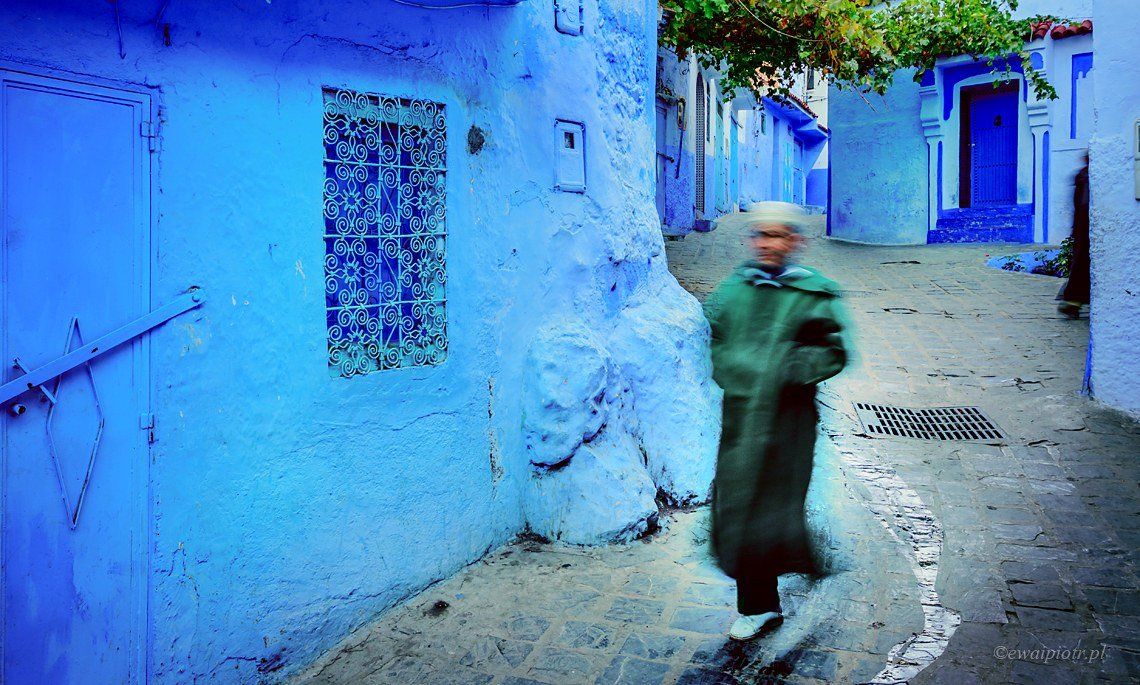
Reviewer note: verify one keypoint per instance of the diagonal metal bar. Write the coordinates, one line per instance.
(43, 388)
(91, 350)
(73, 332)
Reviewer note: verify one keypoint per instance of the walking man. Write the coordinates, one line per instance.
(1075, 293)
(775, 335)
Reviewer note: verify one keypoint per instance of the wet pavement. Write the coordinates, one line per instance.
(952, 562)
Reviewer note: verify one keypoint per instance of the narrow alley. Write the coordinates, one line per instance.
(1008, 560)
(365, 342)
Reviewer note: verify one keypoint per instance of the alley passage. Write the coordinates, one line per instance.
(991, 560)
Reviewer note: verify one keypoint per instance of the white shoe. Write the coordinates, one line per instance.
(748, 627)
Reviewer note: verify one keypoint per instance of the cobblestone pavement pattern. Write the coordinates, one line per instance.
(1038, 535)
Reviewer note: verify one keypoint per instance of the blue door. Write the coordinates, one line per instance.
(993, 147)
(73, 525)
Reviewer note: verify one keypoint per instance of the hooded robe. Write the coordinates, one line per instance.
(773, 340)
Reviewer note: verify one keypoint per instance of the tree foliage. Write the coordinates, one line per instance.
(763, 44)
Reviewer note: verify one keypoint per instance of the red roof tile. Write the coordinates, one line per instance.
(1042, 28)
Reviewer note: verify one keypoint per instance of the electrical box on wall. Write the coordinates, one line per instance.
(568, 17)
(570, 156)
(1136, 157)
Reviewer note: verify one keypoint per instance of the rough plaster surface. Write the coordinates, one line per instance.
(878, 165)
(288, 506)
(757, 164)
(1115, 229)
(625, 412)
(1077, 9)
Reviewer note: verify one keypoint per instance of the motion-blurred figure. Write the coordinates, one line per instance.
(775, 335)
(1075, 292)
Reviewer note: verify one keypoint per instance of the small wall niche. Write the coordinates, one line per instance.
(570, 156)
(568, 17)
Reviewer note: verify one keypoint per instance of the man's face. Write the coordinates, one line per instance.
(774, 244)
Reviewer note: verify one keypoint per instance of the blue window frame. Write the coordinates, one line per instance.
(385, 229)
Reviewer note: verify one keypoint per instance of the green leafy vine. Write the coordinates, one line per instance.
(762, 45)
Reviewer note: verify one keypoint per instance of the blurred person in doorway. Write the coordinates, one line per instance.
(1075, 293)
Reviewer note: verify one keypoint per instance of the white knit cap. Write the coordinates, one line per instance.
(772, 212)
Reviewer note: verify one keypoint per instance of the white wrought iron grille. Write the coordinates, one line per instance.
(385, 209)
(701, 129)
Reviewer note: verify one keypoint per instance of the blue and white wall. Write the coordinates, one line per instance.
(290, 506)
(1115, 213)
(1071, 71)
(818, 183)
(757, 168)
(895, 158)
(797, 141)
(749, 146)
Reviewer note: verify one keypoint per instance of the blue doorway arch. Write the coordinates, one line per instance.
(988, 159)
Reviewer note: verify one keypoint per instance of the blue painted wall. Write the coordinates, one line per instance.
(675, 75)
(880, 176)
(817, 188)
(756, 157)
(878, 163)
(288, 506)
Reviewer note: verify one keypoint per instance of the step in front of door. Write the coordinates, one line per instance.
(1013, 224)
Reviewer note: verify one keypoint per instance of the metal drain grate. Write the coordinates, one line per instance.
(967, 424)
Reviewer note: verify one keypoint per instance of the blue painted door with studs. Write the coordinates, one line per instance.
(76, 229)
(993, 145)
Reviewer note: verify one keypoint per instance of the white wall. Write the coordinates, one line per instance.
(1067, 153)
(1073, 9)
(1115, 210)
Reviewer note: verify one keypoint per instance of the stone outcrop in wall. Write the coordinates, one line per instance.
(612, 422)
(620, 406)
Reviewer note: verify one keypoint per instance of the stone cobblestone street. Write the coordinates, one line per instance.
(953, 562)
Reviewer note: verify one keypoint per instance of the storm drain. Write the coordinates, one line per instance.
(967, 424)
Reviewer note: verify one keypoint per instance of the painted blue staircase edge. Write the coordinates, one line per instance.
(1012, 224)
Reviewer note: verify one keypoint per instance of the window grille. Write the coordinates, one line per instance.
(701, 127)
(384, 212)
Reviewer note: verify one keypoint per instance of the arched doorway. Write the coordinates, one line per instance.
(988, 146)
